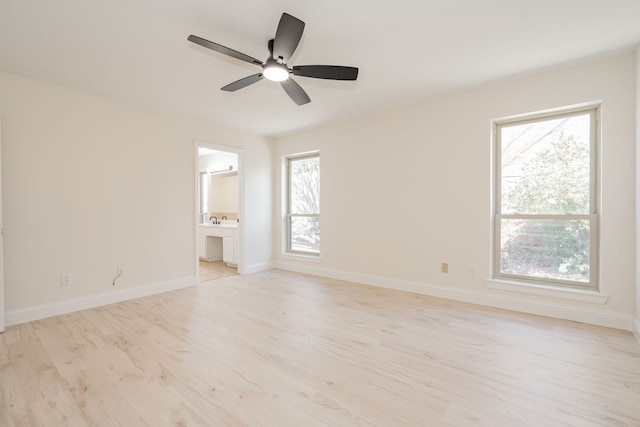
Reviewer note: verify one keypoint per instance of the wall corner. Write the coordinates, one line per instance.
(635, 328)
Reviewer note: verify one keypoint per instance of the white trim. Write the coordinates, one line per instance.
(636, 328)
(287, 198)
(43, 311)
(2, 315)
(541, 114)
(508, 302)
(256, 268)
(571, 294)
(314, 259)
(593, 110)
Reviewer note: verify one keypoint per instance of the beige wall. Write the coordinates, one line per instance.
(403, 192)
(91, 184)
(223, 195)
(218, 161)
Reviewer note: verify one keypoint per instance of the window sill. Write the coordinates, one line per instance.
(581, 295)
(300, 257)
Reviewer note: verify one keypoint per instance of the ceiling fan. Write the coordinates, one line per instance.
(275, 67)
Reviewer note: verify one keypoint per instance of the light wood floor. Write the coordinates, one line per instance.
(282, 349)
(215, 270)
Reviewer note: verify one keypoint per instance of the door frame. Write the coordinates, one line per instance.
(2, 322)
(241, 202)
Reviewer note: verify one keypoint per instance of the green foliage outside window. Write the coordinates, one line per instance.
(554, 181)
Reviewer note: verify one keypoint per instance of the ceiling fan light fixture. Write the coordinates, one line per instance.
(281, 48)
(275, 71)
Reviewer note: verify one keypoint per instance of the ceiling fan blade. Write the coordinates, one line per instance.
(295, 92)
(244, 82)
(223, 49)
(331, 72)
(287, 37)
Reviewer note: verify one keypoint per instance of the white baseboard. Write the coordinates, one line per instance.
(23, 315)
(636, 328)
(516, 303)
(256, 268)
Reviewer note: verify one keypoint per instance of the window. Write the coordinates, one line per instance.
(545, 226)
(303, 204)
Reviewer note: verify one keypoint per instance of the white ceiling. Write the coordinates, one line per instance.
(407, 50)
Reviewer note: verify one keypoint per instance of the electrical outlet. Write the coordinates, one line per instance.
(65, 279)
(445, 267)
(472, 271)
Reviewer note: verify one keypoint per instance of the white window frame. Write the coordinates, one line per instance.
(289, 216)
(594, 198)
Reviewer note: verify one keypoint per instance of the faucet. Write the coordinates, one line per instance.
(224, 217)
(214, 218)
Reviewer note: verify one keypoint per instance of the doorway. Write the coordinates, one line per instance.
(219, 212)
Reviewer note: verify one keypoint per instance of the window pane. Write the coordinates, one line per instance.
(546, 166)
(545, 248)
(305, 186)
(305, 234)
